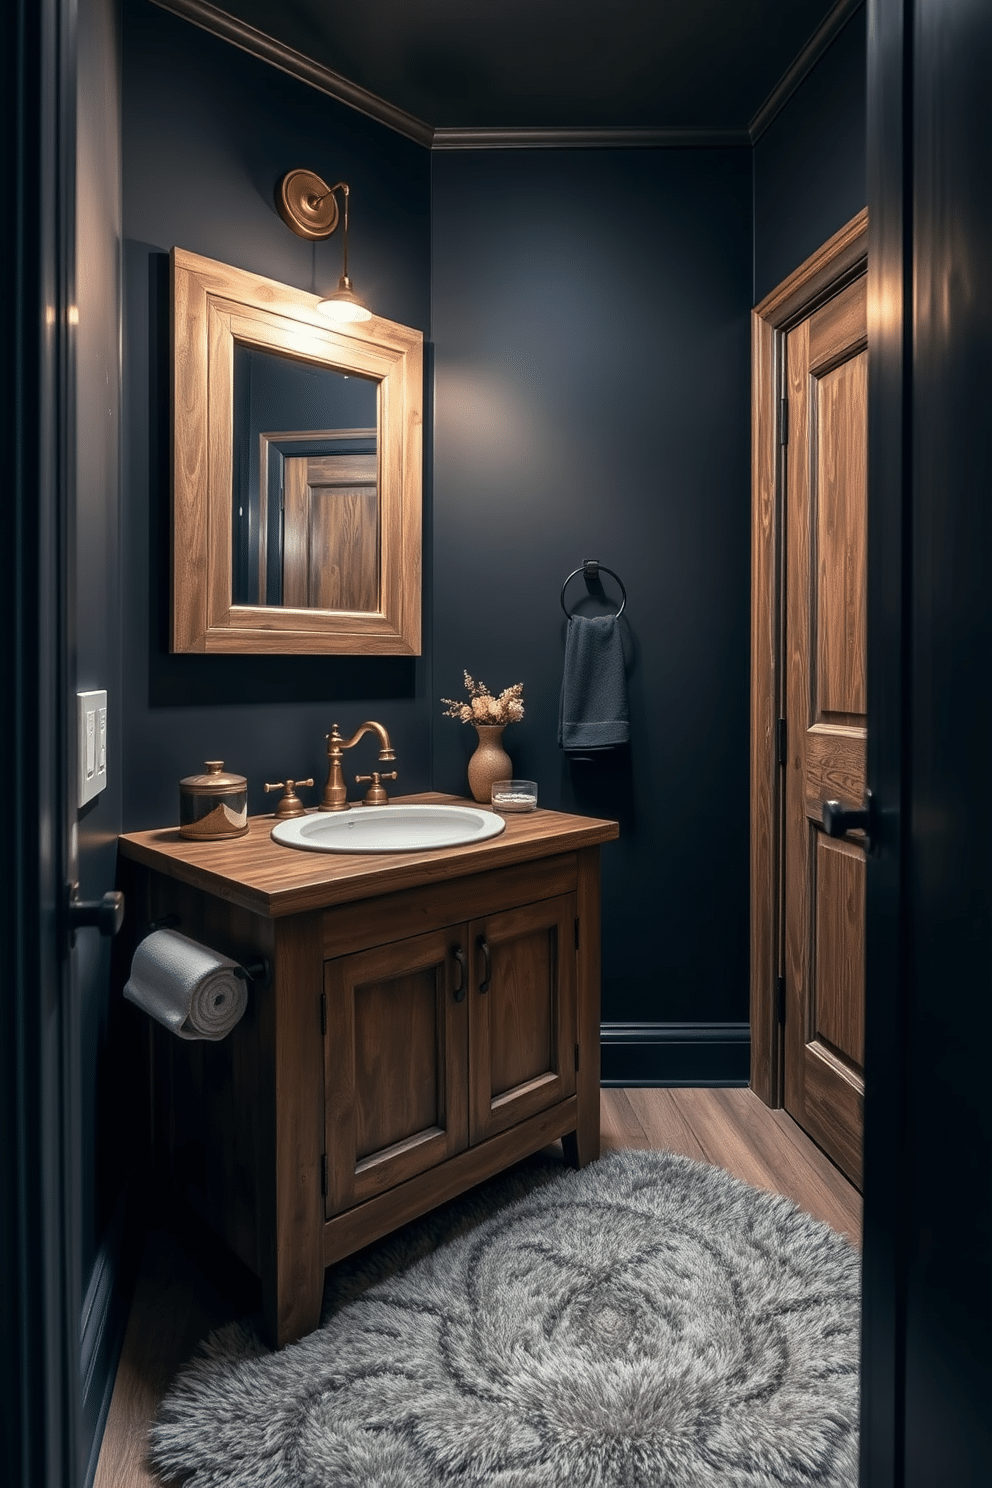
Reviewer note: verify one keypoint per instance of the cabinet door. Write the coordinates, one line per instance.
(522, 1049)
(395, 1066)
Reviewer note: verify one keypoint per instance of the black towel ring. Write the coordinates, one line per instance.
(591, 567)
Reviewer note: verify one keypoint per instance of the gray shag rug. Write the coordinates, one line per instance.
(646, 1321)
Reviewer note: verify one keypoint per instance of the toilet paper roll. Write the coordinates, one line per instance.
(188, 988)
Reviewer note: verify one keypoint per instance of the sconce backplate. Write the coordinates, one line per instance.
(307, 205)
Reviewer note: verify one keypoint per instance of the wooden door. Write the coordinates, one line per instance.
(395, 1063)
(521, 1014)
(330, 533)
(825, 688)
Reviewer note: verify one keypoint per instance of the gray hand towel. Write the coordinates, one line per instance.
(190, 989)
(593, 710)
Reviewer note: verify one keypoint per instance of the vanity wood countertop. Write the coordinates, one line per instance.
(266, 878)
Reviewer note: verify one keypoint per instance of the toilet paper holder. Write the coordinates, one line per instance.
(254, 972)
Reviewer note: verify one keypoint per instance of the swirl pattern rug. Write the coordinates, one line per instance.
(648, 1322)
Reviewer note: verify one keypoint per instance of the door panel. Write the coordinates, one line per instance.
(839, 443)
(522, 1013)
(839, 1020)
(331, 533)
(395, 1065)
(826, 722)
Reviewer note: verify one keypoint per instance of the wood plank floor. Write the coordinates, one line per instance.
(178, 1301)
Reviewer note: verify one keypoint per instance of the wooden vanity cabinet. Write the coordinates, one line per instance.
(427, 1020)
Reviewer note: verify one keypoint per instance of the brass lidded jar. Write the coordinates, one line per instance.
(213, 806)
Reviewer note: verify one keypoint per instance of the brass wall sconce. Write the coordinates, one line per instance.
(309, 207)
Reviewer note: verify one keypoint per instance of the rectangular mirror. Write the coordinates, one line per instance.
(297, 459)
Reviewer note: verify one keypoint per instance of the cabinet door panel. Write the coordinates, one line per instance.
(395, 1065)
(522, 1025)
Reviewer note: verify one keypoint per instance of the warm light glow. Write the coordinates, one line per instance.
(343, 305)
(343, 311)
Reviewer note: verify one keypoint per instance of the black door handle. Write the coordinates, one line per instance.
(106, 913)
(838, 819)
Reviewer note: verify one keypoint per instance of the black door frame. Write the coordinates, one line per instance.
(927, 1257)
(926, 1367)
(39, 1219)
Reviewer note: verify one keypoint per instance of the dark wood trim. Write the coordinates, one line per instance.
(295, 64)
(588, 139)
(840, 260)
(674, 1054)
(825, 34)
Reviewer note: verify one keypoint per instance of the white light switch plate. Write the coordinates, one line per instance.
(92, 714)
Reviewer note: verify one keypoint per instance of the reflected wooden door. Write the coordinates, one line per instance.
(330, 533)
(825, 686)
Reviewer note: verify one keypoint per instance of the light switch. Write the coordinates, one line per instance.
(92, 715)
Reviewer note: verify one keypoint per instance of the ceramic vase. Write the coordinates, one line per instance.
(489, 762)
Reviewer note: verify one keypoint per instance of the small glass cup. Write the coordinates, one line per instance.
(514, 795)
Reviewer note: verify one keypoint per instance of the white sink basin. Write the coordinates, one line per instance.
(369, 829)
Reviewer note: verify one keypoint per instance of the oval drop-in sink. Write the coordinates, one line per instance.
(399, 828)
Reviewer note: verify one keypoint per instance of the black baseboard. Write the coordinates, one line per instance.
(675, 1054)
(104, 1320)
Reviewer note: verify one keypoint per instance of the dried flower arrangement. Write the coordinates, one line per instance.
(484, 708)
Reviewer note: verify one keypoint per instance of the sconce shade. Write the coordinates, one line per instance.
(343, 305)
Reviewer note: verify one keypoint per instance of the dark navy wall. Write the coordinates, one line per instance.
(591, 323)
(810, 163)
(208, 131)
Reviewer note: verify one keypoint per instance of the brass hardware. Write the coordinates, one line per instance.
(214, 806)
(309, 208)
(335, 791)
(307, 204)
(375, 795)
(289, 803)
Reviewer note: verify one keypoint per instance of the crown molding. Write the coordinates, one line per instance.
(258, 44)
(210, 18)
(828, 30)
(587, 139)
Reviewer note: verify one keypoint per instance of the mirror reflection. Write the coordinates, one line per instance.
(306, 508)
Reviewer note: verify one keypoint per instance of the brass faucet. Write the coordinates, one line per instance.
(335, 791)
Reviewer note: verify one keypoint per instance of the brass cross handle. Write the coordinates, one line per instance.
(375, 795)
(289, 803)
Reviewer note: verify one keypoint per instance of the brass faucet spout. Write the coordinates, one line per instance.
(386, 751)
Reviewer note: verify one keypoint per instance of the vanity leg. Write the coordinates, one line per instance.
(292, 1218)
(582, 1145)
(291, 1303)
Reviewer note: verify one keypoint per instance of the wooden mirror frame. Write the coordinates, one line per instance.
(213, 306)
